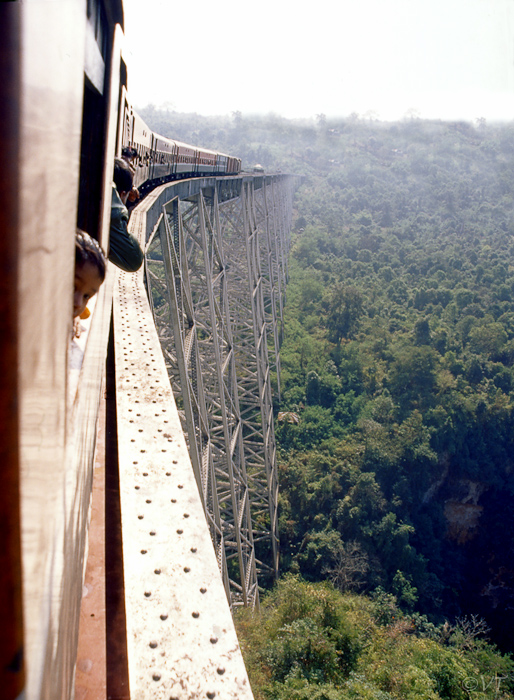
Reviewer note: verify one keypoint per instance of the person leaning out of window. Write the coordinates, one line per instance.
(124, 250)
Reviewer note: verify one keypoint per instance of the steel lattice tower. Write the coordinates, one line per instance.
(216, 269)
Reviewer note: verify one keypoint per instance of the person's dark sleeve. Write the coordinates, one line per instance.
(124, 250)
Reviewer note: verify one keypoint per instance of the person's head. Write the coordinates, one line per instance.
(89, 270)
(123, 178)
(128, 153)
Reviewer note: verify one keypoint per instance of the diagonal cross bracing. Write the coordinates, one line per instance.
(216, 271)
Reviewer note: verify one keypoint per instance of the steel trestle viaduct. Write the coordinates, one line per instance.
(211, 296)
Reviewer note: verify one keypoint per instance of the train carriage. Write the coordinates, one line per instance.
(221, 163)
(164, 156)
(142, 141)
(206, 162)
(233, 165)
(186, 159)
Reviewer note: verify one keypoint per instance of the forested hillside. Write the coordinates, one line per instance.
(395, 422)
(398, 359)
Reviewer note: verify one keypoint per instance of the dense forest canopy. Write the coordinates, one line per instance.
(396, 431)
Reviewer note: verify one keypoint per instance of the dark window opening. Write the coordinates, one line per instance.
(91, 161)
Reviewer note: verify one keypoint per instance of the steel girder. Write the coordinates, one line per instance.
(216, 270)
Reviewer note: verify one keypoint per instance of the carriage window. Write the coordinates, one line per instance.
(91, 161)
(98, 23)
(96, 44)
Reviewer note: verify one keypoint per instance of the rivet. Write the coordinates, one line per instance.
(153, 645)
(194, 550)
(164, 616)
(140, 517)
(186, 515)
(220, 670)
(148, 594)
(135, 462)
(174, 461)
(214, 640)
(179, 532)
(137, 488)
(203, 590)
(180, 486)
(156, 676)
(173, 500)
(186, 569)
(196, 615)
(157, 571)
(148, 500)
(143, 551)
(152, 533)
(168, 473)
(141, 450)
(145, 473)
(211, 695)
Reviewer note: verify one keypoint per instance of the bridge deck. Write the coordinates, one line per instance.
(181, 640)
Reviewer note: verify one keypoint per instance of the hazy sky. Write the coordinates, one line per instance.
(447, 59)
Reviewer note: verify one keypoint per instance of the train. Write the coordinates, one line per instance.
(160, 159)
(65, 115)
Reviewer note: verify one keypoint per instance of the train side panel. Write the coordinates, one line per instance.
(142, 141)
(64, 85)
(186, 159)
(206, 161)
(221, 163)
(49, 193)
(164, 158)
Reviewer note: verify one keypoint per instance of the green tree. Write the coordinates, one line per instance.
(344, 311)
(422, 332)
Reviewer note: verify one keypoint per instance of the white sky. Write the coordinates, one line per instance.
(448, 59)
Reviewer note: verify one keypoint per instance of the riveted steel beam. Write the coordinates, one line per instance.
(216, 273)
